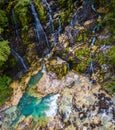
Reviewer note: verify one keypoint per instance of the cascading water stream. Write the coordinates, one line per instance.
(91, 68)
(93, 7)
(43, 67)
(41, 35)
(93, 40)
(15, 24)
(59, 26)
(20, 59)
(49, 14)
(71, 30)
(73, 20)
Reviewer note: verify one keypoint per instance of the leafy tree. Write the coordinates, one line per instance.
(21, 9)
(4, 52)
(3, 19)
(5, 91)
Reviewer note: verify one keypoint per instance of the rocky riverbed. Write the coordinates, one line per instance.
(81, 104)
(63, 87)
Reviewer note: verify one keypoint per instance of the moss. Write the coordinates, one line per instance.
(42, 122)
(83, 54)
(65, 17)
(100, 58)
(110, 87)
(56, 23)
(80, 38)
(25, 38)
(111, 56)
(13, 62)
(66, 6)
(59, 69)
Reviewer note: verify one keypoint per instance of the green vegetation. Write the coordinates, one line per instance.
(110, 87)
(41, 11)
(5, 91)
(66, 6)
(4, 52)
(59, 69)
(21, 9)
(108, 12)
(83, 54)
(3, 21)
(111, 57)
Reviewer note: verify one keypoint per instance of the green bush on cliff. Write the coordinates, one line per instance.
(4, 52)
(5, 91)
(66, 6)
(3, 19)
(21, 9)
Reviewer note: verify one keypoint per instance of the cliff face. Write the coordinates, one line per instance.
(61, 62)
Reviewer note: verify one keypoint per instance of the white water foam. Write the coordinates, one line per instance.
(53, 107)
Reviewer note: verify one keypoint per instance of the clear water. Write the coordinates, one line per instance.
(35, 78)
(38, 108)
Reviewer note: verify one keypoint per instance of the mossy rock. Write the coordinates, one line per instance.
(83, 53)
(71, 59)
(59, 67)
(31, 53)
(82, 37)
(103, 10)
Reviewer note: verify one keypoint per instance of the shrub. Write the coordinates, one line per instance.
(5, 91)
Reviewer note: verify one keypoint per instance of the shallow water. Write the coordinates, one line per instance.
(28, 105)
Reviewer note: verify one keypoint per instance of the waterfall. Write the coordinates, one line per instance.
(93, 41)
(91, 67)
(59, 27)
(43, 67)
(15, 24)
(49, 14)
(20, 59)
(87, 2)
(72, 24)
(41, 35)
(93, 7)
(73, 20)
(51, 22)
(57, 33)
